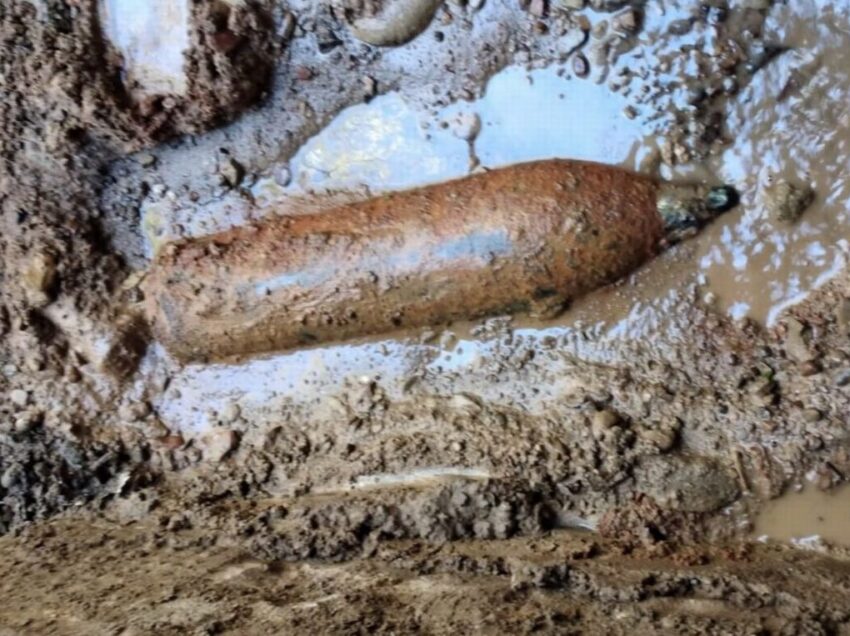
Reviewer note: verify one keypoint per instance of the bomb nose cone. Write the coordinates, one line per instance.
(685, 208)
(720, 199)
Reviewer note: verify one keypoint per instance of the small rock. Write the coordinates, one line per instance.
(842, 315)
(842, 378)
(399, 21)
(146, 160)
(225, 41)
(19, 397)
(230, 413)
(11, 475)
(809, 368)
(680, 27)
(171, 442)
(370, 86)
(326, 39)
(604, 420)
(627, 22)
(28, 421)
(538, 8)
(232, 173)
(786, 202)
(475, 5)
(812, 415)
(40, 273)
(303, 73)
(282, 176)
(687, 483)
(796, 345)
(581, 67)
(218, 444)
(287, 26)
(573, 5)
(663, 438)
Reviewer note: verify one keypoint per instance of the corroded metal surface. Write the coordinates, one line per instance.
(521, 238)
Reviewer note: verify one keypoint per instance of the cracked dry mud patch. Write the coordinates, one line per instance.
(564, 478)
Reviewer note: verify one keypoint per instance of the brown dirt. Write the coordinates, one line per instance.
(430, 500)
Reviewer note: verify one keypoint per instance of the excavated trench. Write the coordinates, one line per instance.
(667, 454)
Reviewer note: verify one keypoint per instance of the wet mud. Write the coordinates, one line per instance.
(633, 464)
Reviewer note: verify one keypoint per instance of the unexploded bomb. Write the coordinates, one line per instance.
(522, 238)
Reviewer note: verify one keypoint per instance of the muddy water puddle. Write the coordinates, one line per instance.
(807, 518)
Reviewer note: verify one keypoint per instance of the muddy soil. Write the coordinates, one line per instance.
(623, 466)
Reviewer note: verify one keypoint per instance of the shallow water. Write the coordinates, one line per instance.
(807, 517)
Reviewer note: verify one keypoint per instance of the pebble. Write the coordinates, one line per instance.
(232, 172)
(287, 26)
(218, 444)
(796, 347)
(303, 73)
(573, 5)
(809, 368)
(146, 160)
(370, 87)
(230, 413)
(812, 415)
(626, 22)
(786, 201)
(842, 315)
(19, 397)
(283, 176)
(581, 67)
(398, 22)
(40, 273)
(842, 378)
(604, 420)
(10, 476)
(27, 422)
(538, 8)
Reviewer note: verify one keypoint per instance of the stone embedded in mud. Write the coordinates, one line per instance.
(796, 341)
(399, 21)
(661, 437)
(604, 420)
(842, 315)
(538, 8)
(19, 397)
(39, 277)
(218, 444)
(687, 483)
(152, 37)
(786, 201)
(112, 348)
(626, 22)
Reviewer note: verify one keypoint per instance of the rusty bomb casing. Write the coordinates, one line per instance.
(515, 239)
